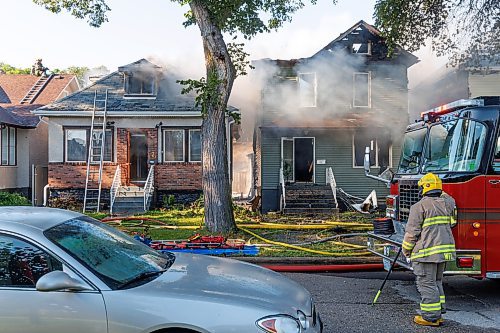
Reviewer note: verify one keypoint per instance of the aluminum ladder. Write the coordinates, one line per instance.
(36, 89)
(95, 157)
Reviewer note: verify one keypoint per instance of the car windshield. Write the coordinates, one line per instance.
(113, 256)
(456, 145)
(411, 153)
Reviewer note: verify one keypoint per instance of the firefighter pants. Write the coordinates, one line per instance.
(429, 279)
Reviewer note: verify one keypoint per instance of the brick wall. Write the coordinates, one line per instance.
(168, 176)
(73, 175)
(178, 176)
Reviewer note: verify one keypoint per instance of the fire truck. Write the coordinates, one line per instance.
(460, 143)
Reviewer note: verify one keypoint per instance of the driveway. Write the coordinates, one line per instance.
(344, 301)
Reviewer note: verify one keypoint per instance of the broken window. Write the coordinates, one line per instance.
(140, 84)
(361, 48)
(361, 90)
(8, 146)
(173, 144)
(307, 89)
(77, 143)
(194, 146)
(380, 149)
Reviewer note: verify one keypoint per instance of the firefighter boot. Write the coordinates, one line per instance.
(419, 320)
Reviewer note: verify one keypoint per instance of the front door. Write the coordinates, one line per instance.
(287, 158)
(138, 157)
(304, 159)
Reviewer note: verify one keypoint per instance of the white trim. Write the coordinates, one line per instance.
(369, 90)
(287, 138)
(189, 145)
(85, 130)
(183, 144)
(139, 96)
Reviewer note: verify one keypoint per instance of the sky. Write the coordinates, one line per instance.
(153, 29)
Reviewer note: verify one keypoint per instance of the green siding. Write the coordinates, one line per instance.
(334, 146)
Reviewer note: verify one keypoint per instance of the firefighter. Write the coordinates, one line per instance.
(428, 243)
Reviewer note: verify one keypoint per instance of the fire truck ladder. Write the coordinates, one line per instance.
(95, 159)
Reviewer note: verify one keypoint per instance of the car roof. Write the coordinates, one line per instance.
(35, 217)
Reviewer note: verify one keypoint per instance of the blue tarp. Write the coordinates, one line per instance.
(248, 250)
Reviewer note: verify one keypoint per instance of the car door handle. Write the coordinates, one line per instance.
(494, 181)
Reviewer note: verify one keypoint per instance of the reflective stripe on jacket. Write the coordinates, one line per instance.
(428, 236)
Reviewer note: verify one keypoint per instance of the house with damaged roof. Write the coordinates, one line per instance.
(23, 136)
(318, 114)
(152, 139)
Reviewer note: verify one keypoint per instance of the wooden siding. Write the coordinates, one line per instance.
(484, 85)
(334, 146)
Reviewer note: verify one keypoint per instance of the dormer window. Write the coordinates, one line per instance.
(362, 48)
(140, 85)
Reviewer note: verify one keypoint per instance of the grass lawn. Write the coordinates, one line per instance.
(271, 232)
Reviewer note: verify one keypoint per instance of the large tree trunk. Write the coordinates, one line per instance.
(216, 185)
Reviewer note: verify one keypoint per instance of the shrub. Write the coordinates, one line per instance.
(13, 199)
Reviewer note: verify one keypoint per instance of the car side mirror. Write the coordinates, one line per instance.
(366, 161)
(59, 280)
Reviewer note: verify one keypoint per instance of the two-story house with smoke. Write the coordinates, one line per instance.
(318, 114)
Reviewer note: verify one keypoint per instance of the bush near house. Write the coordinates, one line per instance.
(13, 199)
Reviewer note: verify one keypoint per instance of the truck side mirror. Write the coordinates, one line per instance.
(366, 161)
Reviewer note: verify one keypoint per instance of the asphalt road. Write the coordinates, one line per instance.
(344, 301)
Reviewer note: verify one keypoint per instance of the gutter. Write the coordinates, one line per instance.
(116, 114)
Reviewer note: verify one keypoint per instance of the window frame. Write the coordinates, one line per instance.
(189, 145)
(315, 89)
(164, 151)
(8, 129)
(132, 95)
(369, 51)
(369, 90)
(376, 147)
(87, 142)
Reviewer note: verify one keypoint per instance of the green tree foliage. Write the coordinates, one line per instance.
(465, 30)
(8, 69)
(245, 18)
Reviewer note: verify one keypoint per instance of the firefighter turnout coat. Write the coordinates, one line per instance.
(428, 237)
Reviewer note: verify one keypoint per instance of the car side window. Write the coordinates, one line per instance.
(22, 264)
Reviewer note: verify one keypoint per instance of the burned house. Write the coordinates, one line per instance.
(318, 114)
(23, 137)
(152, 139)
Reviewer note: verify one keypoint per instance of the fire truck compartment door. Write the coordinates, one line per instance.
(492, 223)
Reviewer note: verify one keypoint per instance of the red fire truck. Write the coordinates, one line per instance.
(460, 143)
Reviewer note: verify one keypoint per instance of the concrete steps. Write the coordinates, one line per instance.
(129, 200)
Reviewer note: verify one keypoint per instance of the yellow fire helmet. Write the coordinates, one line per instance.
(430, 182)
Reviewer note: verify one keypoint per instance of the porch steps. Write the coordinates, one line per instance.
(129, 200)
(309, 199)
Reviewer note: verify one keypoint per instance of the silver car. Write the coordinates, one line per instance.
(61, 271)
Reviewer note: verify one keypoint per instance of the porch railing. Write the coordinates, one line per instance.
(330, 180)
(115, 186)
(283, 193)
(149, 188)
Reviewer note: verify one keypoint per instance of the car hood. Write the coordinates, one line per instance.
(223, 280)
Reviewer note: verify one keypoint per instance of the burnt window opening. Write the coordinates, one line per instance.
(380, 149)
(140, 84)
(362, 48)
(362, 90)
(307, 86)
(8, 145)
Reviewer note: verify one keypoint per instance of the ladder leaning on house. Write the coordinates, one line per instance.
(95, 158)
(36, 89)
